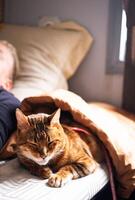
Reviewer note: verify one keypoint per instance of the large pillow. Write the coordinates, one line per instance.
(48, 56)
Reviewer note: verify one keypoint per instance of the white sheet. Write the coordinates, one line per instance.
(16, 183)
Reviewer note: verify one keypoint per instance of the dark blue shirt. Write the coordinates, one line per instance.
(8, 105)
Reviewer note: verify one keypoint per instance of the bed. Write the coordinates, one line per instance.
(17, 183)
(46, 64)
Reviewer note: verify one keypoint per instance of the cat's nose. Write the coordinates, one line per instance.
(43, 153)
(43, 157)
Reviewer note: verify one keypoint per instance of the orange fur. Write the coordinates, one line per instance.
(55, 151)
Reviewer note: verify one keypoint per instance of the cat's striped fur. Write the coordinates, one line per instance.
(55, 151)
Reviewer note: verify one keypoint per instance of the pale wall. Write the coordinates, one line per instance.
(90, 81)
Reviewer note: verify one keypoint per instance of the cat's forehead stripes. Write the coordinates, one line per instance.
(31, 120)
(39, 124)
(37, 119)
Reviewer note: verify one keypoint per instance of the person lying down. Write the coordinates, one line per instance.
(8, 102)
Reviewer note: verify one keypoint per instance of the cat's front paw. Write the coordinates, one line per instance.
(92, 167)
(56, 180)
(43, 172)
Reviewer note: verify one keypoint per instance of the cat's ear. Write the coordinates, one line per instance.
(22, 121)
(55, 117)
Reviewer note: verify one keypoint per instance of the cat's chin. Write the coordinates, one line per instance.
(39, 161)
(43, 162)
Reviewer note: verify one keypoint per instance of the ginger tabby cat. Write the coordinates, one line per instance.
(55, 151)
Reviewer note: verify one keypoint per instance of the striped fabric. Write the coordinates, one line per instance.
(18, 184)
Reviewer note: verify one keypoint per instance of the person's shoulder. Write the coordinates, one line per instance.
(7, 97)
(4, 93)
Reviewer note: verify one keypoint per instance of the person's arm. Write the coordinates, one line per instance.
(8, 150)
(8, 105)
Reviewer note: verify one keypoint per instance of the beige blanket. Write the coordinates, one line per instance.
(114, 127)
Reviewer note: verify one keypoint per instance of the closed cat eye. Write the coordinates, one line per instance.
(50, 143)
(32, 144)
(53, 143)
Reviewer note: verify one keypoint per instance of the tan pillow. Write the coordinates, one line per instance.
(48, 56)
(63, 46)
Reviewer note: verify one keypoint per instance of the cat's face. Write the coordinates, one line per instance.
(40, 136)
